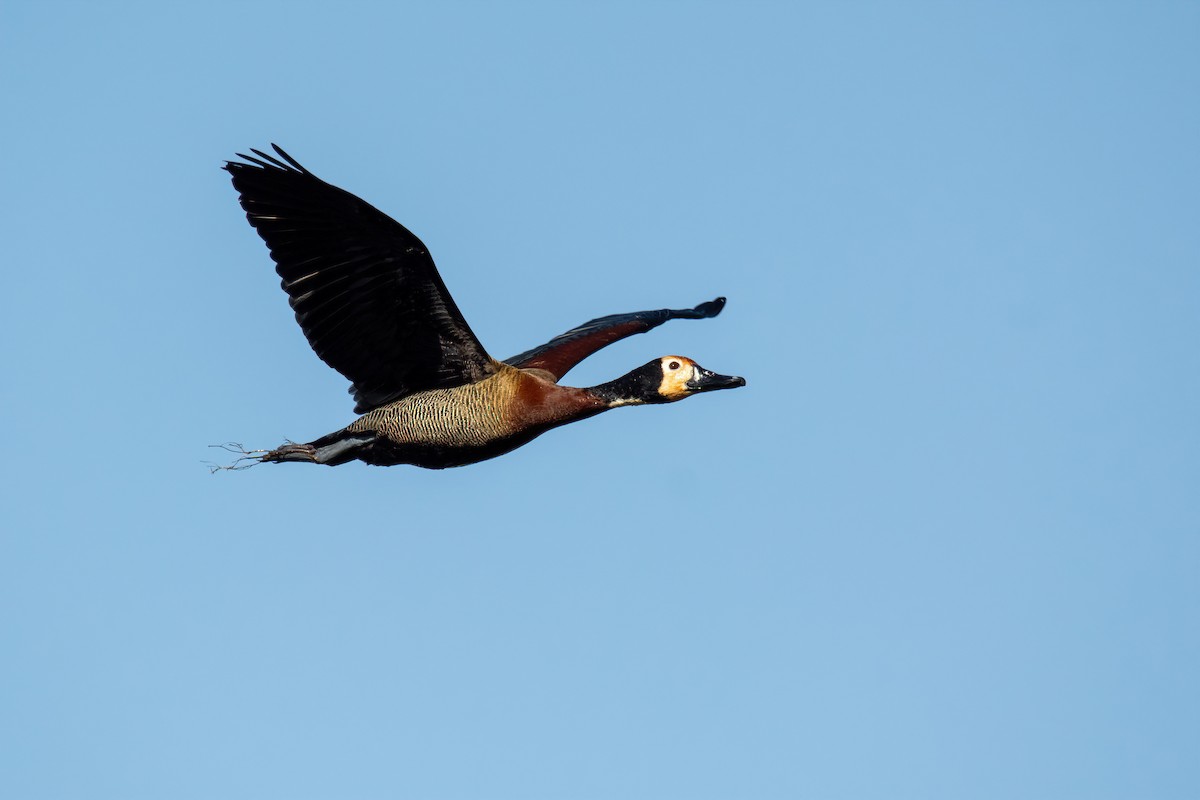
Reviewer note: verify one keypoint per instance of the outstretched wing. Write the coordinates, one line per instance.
(563, 352)
(365, 290)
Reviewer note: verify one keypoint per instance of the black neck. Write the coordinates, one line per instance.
(639, 386)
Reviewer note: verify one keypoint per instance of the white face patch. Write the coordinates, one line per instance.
(676, 372)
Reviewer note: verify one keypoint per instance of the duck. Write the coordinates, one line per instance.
(370, 301)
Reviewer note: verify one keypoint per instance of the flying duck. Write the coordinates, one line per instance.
(371, 303)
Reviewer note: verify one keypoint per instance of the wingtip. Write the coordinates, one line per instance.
(267, 161)
(712, 307)
(284, 155)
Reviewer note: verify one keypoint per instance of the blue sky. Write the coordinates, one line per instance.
(944, 544)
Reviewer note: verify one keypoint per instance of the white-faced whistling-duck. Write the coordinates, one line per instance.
(369, 299)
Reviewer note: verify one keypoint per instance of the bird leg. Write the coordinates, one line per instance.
(285, 452)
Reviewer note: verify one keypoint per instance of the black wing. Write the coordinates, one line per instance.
(364, 288)
(563, 352)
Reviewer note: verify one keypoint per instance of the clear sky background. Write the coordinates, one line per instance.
(945, 544)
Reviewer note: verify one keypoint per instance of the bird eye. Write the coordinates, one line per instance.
(673, 365)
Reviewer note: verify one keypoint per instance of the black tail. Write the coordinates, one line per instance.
(332, 449)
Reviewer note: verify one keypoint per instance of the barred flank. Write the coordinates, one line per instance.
(465, 416)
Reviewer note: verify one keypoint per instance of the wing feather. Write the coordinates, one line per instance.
(365, 290)
(563, 352)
